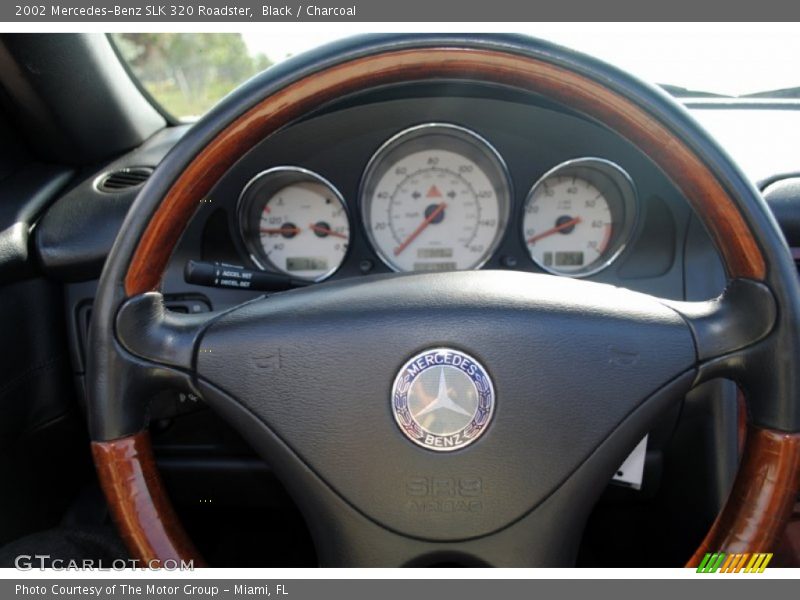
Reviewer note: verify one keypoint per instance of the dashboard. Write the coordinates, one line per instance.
(426, 179)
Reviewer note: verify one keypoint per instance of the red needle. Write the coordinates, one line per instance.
(281, 230)
(435, 213)
(555, 229)
(322, 229)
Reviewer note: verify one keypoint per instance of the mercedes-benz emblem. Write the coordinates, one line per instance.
(443, 399)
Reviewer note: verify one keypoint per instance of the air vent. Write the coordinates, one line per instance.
(124, 179)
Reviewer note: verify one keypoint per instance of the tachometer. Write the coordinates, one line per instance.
(295, 222)
(435, 198)
(579, 216)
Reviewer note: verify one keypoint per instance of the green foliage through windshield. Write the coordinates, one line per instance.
(187, 73)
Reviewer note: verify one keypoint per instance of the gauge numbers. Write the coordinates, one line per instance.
(296, 223)
(435, 199)
(569, 223)
(434, 211)
(578, 216)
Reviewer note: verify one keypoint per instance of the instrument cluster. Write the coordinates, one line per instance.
(438, 197)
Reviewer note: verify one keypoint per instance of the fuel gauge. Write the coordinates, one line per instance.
(579, 216)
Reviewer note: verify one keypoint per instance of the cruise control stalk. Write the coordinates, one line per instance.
(223, 275)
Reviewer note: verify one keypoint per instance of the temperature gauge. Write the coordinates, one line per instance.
(295, 222)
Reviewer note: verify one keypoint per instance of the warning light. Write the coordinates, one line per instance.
(433, 192)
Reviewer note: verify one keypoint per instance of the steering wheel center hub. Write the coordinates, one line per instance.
(443, 399)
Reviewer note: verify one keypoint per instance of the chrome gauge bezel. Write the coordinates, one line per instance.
(410, 140)
(273, 180)
(608, 177)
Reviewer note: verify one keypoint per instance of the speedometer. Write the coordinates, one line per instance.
(435, 198)
(579, 216)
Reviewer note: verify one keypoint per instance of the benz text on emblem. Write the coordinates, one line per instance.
(443, 399)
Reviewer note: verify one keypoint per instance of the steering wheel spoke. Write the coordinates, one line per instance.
(732, 324)
(146, 329)
(733, 338)
(151, 350)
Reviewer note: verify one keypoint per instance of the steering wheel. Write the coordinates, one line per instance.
(306, 375)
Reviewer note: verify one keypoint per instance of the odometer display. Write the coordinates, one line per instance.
(435, 198)
(564, 259)
(305, 263)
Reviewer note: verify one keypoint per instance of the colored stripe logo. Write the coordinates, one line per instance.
(720, 562)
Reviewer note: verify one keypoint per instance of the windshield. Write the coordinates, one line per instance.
(187, 73)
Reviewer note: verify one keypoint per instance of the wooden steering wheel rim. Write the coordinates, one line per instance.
(764, 491)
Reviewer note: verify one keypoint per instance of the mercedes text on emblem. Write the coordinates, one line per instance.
(443, 399)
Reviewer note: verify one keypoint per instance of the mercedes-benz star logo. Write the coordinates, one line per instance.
(443, 399)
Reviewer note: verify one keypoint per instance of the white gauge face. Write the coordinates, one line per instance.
(567, 224)
(304, 230)
(298, 224)
(579, 217)
(435, 207)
